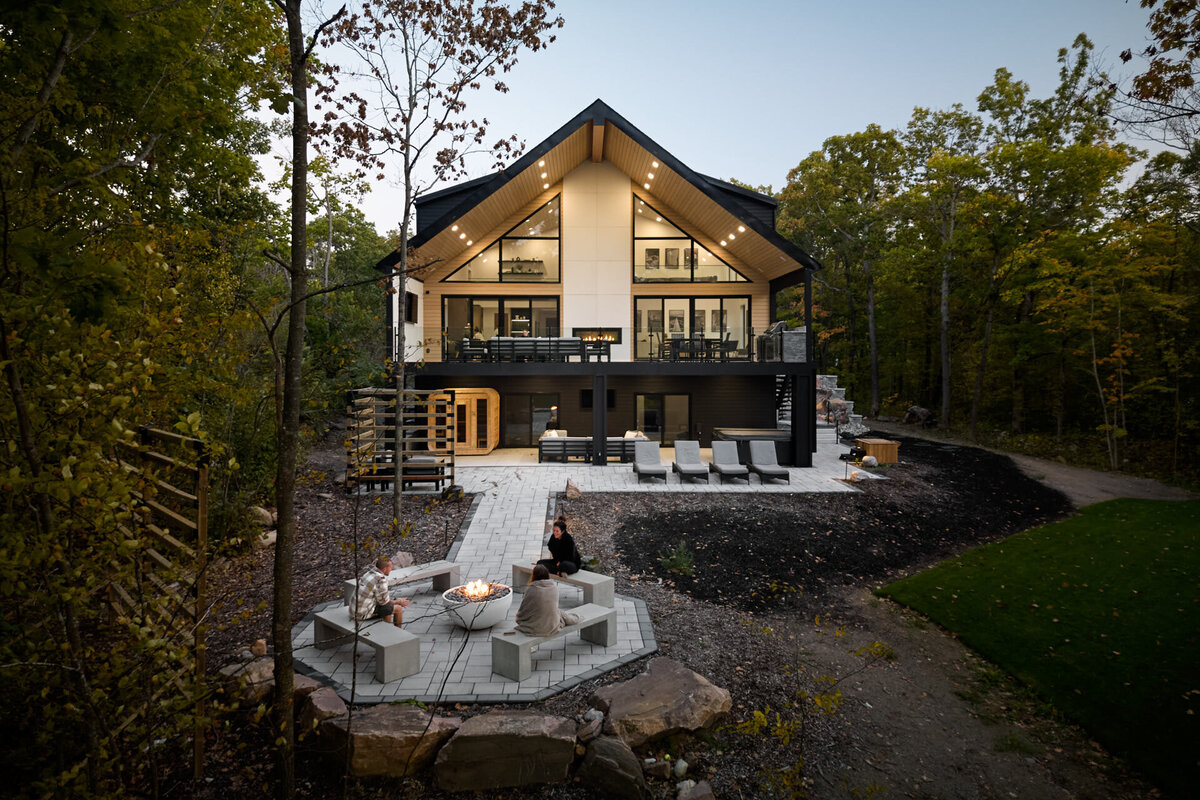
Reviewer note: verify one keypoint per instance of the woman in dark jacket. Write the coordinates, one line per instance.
(564, 557)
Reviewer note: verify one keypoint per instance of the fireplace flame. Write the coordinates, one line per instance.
(476, 589)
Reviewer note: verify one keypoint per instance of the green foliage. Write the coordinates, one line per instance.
(988, 264)
(1097, 614)
(679, 560)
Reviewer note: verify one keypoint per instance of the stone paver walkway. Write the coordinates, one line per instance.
(509, 522)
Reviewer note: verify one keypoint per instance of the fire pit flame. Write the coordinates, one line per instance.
(477, 589)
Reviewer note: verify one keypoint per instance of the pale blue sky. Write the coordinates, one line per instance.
(748, 89)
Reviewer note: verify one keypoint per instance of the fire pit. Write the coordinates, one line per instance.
(477, 605)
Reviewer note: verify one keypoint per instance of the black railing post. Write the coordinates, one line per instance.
(599, 419)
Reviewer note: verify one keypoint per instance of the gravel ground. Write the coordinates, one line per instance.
(777, 610)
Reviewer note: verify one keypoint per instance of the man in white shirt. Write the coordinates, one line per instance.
(373, 599)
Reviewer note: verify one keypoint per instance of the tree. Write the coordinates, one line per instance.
(421, 60)
(945, 171)
(850, 186)
(108, 111)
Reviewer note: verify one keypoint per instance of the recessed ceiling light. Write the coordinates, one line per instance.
(741, 229)
(462, 236)
(543, 174)
(658, 219)
(654, 164)
(731, 236)
(722, 242)
(651, 174)
(545, 186)
(454, 228)
(469, 242)
(646, 185)
(541, 163)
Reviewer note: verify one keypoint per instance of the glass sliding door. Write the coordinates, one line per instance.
(668, 327)
(663, 417)
(526, 417)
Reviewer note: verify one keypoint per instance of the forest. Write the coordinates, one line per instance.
(1010, 263)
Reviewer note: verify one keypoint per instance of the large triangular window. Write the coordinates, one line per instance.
(663, 253)
(528, 253)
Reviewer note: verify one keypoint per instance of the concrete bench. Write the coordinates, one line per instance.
(444, 575)
(397, 652)
(597, 588)
(512, 651)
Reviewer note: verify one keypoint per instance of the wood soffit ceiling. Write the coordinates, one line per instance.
(670, 191)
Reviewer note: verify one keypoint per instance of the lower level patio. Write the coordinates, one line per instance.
(508, 523)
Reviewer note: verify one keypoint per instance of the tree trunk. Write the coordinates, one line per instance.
(945, 341)
(401, 345)
(288, 435)
(981, 372)
(872, 338)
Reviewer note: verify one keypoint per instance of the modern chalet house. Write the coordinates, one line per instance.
(599, 285)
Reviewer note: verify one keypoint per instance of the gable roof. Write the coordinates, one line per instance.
(599, 133)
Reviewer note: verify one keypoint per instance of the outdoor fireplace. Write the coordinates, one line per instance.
(477, 605)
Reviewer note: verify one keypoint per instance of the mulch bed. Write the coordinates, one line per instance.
(766, 551)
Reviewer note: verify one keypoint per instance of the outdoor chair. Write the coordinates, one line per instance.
(646, 461)
(764, 463)
(687, 461)
(725, 462)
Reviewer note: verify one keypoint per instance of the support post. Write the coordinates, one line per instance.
(600, 419)
(803, 427)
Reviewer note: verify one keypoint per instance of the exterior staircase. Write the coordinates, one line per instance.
(851, 424)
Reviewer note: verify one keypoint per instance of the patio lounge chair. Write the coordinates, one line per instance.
(764, 462)
(646, 461)
(687, 461)
(725, 462)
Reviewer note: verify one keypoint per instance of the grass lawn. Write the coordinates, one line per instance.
(1100, 614)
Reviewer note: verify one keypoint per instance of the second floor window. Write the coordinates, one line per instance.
(528, 253)
(663, 253)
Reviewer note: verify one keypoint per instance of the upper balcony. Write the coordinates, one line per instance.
(776, 344)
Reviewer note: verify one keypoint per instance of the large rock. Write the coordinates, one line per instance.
(666, 699)
(506, 748)
(303, 686)
(387, 740)
(261, 517)
(695, 791)
(252, 682)
(318, 706)
(610, 769)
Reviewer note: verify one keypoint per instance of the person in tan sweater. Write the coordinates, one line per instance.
(539, 614)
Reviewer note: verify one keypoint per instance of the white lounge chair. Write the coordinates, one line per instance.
(687, 461)
(726, 464)
(765, 464)
(646, 461)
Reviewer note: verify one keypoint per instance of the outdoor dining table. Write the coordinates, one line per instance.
(696, 348)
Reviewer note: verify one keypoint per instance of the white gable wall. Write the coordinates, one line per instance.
(597, 252)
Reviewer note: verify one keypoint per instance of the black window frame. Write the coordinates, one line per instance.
(688, 237)
(508, 235)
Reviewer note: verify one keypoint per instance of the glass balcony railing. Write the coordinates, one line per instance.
(624, 344)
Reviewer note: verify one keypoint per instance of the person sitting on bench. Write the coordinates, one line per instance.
(564, 556)
(373, 599)
(539, 614)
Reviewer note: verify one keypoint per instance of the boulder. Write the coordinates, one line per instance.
(915, 415)
(261, 517)
(506, 748)
(318, 706)
(259, 648)
(252, 682)
(666, 699)
(573, 491)
(656, 769)
(265, 539)
(589, 730)
(610, 769)
(303, 686)
(697, 791)
(387, 740)
(402, 559)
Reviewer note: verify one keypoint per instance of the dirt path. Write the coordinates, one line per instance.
(1082, 486)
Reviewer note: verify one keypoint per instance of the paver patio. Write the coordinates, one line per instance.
(509, 522)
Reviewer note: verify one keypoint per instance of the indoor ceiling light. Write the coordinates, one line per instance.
(658, 219)
(646, 185)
